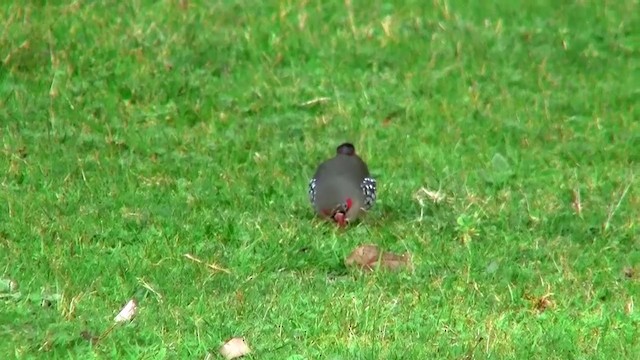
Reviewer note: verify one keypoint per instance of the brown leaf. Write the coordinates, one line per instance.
(234, 348)
(369, 256)
(394, 261)
(363, 256)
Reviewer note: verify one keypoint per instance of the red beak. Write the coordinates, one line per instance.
(340, 219)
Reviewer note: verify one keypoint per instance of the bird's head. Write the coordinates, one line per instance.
(346, 149)
(340, 213)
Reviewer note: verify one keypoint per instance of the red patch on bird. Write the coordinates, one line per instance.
(339, 217)
(349, 203)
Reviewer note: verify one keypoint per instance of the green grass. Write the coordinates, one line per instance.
(136, 132)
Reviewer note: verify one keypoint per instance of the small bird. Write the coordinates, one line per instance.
(342, 187)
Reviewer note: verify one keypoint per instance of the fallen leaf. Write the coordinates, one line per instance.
(393, 261)
(369, 256)
(363, 256)
(127, 312)
(234, 348)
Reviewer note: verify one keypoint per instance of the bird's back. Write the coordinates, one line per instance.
(350, 166)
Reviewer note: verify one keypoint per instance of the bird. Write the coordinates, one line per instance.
(342, 187)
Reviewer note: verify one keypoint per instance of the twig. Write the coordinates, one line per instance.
(148, 287)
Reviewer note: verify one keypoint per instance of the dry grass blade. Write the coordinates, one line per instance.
(423, 193)
(628, 307)
(615, 208)
(318, 100)
(150, 288)
(576, 202)
(210, 266)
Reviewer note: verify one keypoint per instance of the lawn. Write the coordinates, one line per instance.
(137, 132)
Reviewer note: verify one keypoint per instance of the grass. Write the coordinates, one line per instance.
(136, 132)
